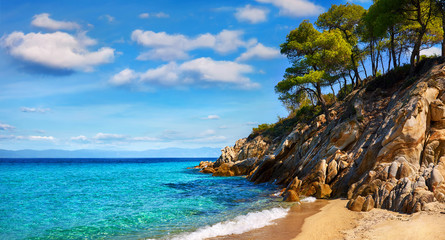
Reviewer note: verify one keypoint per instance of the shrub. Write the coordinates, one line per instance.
(390, 79)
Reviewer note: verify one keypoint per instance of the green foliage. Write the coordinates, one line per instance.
(344, 17)
(418, 20)
(316, 57)
(329, 98)
(285, 125)
(344, 91)
(262, 127)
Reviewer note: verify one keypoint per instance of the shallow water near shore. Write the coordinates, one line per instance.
(128, 199)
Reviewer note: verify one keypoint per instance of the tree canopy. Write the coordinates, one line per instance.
(347, 35)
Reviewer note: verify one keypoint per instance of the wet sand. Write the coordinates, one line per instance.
(285, 228)
(330, 220)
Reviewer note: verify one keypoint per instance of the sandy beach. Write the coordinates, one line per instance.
(331, 220)
(334, 221)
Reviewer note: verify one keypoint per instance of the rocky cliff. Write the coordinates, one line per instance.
(384, 148)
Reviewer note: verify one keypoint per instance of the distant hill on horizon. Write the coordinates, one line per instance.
(90, 153)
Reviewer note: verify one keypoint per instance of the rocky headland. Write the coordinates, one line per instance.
(383, 146)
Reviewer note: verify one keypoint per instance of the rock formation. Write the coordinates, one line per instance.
(383, 148)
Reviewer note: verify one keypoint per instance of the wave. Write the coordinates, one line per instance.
(308, 199)
(240, 224)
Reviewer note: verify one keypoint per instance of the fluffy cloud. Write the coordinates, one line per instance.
(295, 8)
(35, 138)
(58, 50)
(259, 51)
(6, 127)
(169, 47)
(27, 138)
(251, 14)
(126, 76)
(211, 117)
(44, 21)
(202, 71)
(34, 110)
(164, 54)
(431, 51)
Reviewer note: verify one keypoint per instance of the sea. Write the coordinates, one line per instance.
(128, 199)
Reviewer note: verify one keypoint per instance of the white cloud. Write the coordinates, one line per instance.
(107, 17)
(144, 15)
(57, 50)
(6, 127)
(108, 136)
(167, 75)
(208, 70)
(80, 138)
(251, 14)
(28, 138)
(36, 138)
(170, 47)
(44, 21)
(164, 54)
(156, 15)
(431, 51)
(34, 110)
(161, 15)
(295, 8)
(251, 123)
(124, 77)
(259, 51)
(144, 139)
(211, 117)
(202, 72)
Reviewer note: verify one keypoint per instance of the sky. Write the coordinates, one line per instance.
(137, 75)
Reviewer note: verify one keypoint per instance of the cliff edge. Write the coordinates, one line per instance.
(384, 147)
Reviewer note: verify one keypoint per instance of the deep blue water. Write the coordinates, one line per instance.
(118, 198)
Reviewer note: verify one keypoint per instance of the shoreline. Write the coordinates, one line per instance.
(331, 220)
(285, 228)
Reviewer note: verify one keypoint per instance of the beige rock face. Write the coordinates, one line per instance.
(383, 149)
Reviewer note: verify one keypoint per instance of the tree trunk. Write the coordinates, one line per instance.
(322, 102)
(393, 48)
(352, 78)
(377, 60)
(381, 62)
(371, 50)
(364, 68)
(355, 68)
(416, 51)
(333, 92)
(389, 60)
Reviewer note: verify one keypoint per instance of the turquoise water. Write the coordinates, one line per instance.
(119, 198)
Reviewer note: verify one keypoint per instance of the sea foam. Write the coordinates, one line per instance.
(240, 224)
(308, 199)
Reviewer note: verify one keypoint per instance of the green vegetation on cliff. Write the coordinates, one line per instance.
(336, 55)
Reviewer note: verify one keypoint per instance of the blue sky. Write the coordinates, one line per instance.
(136, 75)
